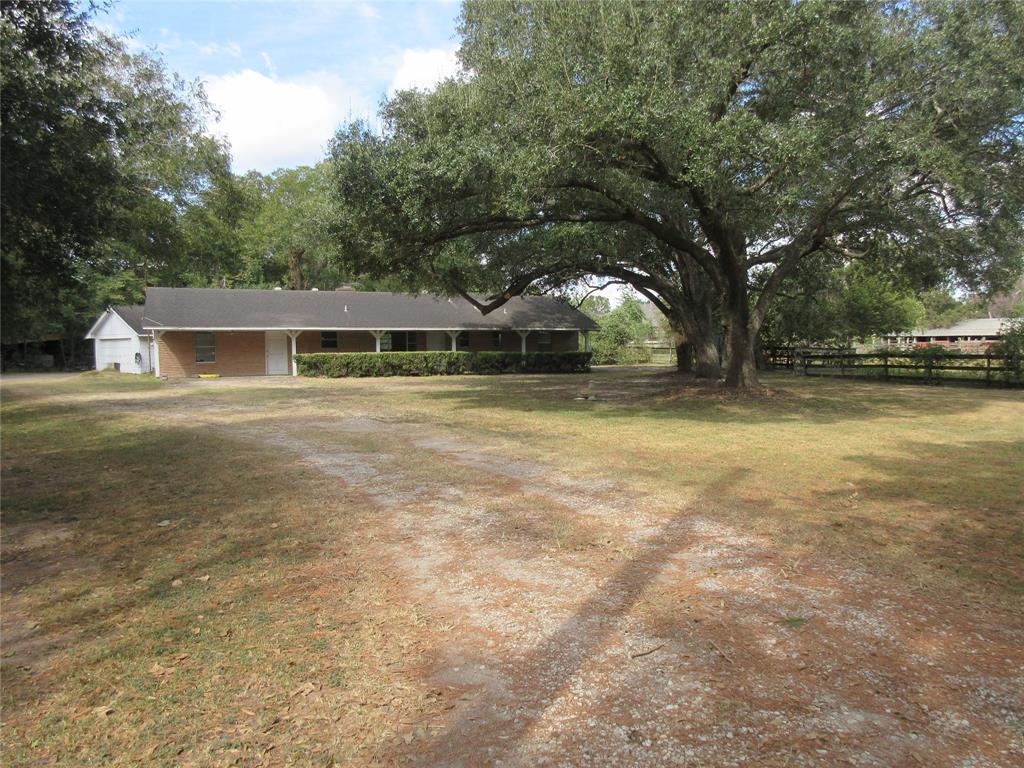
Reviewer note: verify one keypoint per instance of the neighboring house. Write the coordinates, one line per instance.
(969, 335)
(122, 344)
(236, 332)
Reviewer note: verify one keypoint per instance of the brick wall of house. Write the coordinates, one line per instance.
(239, 353)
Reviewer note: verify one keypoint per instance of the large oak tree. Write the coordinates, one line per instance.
(703, 152)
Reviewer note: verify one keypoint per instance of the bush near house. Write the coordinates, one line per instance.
(620, 341)
(343, 364)
(1012, 346)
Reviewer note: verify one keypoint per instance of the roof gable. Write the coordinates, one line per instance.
(247, 309)
(118, 322)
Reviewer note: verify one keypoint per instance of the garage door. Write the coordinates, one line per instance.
(110, 351)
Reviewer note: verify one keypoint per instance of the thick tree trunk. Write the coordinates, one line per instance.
(698, 351)
(741, 370)
(707, 364)
(684, 357)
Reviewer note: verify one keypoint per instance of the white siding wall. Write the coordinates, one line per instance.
(116, 342)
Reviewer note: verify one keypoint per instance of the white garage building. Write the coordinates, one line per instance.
(121, 343)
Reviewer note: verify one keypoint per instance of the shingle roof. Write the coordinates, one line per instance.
(241, 309)
(131, 314)
(982, 326)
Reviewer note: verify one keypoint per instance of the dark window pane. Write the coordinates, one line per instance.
(206, 347)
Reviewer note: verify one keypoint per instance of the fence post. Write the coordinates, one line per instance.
(885, 365)
(988, 369)
(928, 368)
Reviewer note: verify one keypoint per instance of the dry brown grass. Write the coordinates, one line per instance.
(173, 596)
(183, 585)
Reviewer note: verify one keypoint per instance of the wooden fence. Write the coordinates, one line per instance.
(984, 369)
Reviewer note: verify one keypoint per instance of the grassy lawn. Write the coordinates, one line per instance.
(295, 572)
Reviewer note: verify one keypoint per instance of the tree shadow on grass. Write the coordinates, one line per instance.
(958, 507)
(740, 678)
(559, 658)
(665, 396)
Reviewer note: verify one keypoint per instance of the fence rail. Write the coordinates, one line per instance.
(985, 369)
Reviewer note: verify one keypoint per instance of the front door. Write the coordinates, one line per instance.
(277, 353)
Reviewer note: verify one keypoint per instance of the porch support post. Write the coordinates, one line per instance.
(156, 352)
(294, 336)
(522, 339)
(454, 336)
(378, 335)
(586, 341)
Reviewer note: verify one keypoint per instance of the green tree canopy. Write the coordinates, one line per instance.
(825, 306)
(101, 152)
(622, 334)
(702, 152)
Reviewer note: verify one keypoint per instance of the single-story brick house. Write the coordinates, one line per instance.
(238, 332)
(121, 342)
(968, 335)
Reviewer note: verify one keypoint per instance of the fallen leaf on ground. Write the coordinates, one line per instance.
(304, 690)
(160, 671)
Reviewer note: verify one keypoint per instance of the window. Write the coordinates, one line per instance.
(206, 347)
(544, 341)
(402, 341)
(496, 339)
(462, 340)
(328, 339)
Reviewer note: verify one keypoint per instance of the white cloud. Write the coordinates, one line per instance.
(423, 68)
(367, 11)
(268, 63)
(231, 50)
(172, 42)
(275, 123)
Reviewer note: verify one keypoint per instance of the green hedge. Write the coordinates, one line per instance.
(341, 364)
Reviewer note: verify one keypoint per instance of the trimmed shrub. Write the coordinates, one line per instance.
(1012, 349)
(336, 365)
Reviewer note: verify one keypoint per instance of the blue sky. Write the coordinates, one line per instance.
(284, 75)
